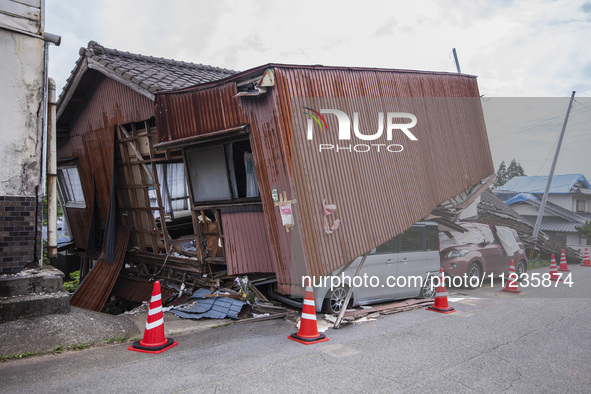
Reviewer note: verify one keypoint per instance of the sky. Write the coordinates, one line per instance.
(528, 55)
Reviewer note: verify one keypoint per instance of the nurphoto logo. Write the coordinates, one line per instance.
(391, 122)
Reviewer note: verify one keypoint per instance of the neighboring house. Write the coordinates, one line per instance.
(568, 205)
(23, 105)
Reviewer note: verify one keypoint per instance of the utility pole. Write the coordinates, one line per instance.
(545, 198)
(456, 60)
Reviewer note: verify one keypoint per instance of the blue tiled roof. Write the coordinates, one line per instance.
(561, 184)
(213, 308)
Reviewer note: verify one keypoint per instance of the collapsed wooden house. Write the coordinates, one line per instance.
(278, 169)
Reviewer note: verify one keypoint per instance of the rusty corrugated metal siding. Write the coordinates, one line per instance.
(247, 246)
(94, 290)
(377, 196)
(91, 142)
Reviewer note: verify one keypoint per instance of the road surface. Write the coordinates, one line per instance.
(537, 341)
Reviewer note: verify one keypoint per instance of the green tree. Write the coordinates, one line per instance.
(504, 173)
(585, 229)
(501, 175)
(514, 170)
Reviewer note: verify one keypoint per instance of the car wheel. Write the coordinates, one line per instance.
(428, 291)
(474, 271)
(521, 268)
(335, 300)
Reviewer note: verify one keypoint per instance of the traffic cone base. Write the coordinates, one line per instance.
(308, 333)
(511, 291)
(137, 347)
(441, 304)
(154, 340)
(308, 341)
(435, 309)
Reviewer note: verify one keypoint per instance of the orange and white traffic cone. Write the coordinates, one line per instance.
(553, 271)
(511, 286)
(308, 333)
(563, 266)
(154, 340)
(586, 261)
(441, 304)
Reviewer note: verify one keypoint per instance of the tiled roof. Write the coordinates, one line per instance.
(558, 211)
(152, 73)
(213, 307)
(145, 74)
(489, 200)
(554, 224)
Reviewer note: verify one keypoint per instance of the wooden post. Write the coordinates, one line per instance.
(337, 323)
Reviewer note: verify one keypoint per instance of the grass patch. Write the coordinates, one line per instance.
(80, 346)
(61, 348)
(58, 349)
(16, 356)
(118, 339)
(72, 285)
(223, 325)
(537, 262)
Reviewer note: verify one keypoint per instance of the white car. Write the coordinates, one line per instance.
(397, 269)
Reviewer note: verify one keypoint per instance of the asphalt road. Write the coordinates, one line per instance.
(533, 342)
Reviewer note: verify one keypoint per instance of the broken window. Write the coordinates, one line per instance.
(173, 189)
(70, 187)
(222, 172)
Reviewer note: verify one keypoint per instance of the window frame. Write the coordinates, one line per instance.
(584, 202)
(191, 149)
(65, 192)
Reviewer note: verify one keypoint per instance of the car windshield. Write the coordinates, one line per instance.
(477, 233)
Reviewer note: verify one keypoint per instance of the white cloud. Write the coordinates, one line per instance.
(524, 48)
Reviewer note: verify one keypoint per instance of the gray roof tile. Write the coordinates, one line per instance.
(158, 73)
(151, 73)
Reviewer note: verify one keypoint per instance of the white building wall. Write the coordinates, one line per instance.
(21, 103)
(523, 208)
(575, 241)
(562, 200)
(471, 210)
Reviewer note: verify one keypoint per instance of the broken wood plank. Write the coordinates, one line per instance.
(234, 296)
(262, 318)
(257, 292)
(388, 307)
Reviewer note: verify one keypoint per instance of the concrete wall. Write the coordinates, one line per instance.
(21, 106)
(471, 210)
(562, 200)
(577, 242)
(21, 133)
(523, 208)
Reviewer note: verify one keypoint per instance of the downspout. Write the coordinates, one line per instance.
(51, 173)
(47, 124)
(40, 188)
